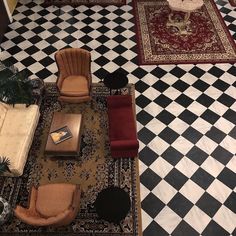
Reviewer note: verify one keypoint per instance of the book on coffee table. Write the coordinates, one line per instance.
(61, 134)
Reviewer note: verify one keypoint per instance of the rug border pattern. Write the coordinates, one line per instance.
(143, 41)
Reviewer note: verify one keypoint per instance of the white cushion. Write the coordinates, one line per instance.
(16, 155)
(20, 120)
(17, 134)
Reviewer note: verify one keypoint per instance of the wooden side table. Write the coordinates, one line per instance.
(186, 6)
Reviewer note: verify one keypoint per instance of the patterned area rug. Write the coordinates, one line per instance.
(83, 2)
(206, 40)
(94, 170)
(233, 3)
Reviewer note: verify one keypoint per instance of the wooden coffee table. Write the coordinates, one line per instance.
(71, 146)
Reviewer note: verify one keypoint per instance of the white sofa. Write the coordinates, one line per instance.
(17, 127)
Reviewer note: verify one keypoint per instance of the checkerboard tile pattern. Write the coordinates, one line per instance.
(186, 114)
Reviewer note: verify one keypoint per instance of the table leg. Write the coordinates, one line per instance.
(180, 25)
(186, 17)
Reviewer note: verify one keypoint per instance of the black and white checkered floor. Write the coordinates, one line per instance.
(186, 113)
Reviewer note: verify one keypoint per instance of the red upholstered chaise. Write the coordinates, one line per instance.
(122, 126)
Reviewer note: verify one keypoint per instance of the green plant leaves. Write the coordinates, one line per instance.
(15, 88)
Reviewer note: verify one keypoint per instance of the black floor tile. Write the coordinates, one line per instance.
(184, 100)
(210, 116)
(172, 156)
(142, 101)
(145, 135)
(230, 202)
(230, 115)
(150, 179)
(176, 179)
(188, 117)
(228, 177)
(214, 229)
(162, 101)
(205, 100)
(147, 156)
(202, 178)
(201, 85)
(143, 117)
(165, 117)
(150, 201)
(180, 205)
(226, 100)
(215, 134)
(154, 229)
(222, 155)
(160, 86)
(208, 204)
(192, 135)
(169, 135)
(184, 229)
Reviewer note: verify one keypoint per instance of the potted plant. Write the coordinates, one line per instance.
(15, 87)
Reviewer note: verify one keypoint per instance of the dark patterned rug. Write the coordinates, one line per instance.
(83, 2)
(94, 170)
(205, 39)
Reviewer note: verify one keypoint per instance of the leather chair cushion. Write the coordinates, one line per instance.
(36, 220)
(53, 199)
(75, 85)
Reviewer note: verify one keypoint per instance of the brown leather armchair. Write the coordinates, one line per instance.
(74, 80)
(51, 205)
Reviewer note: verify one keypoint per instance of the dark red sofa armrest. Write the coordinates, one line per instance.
(124, 144)
(119, 101)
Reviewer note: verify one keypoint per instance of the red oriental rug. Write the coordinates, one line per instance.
(206, 38)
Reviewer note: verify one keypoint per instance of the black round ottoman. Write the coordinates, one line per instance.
(112, 204)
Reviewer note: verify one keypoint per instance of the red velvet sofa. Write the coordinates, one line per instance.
(122, 126)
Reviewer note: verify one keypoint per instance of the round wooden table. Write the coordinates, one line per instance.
(186, 6)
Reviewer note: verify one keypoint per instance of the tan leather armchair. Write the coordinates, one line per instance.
(74, 80)
(51, 205)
